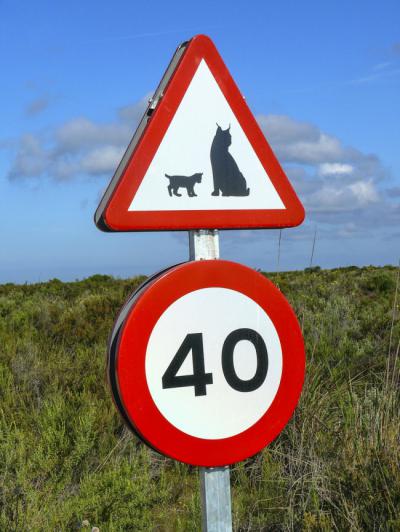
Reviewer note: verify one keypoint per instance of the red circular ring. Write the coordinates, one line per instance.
(131, 355)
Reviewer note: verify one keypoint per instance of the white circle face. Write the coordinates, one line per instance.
(222, 411)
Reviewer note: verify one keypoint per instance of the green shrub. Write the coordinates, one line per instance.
(68, 462)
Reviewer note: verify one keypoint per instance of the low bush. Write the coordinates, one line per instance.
(67, 462)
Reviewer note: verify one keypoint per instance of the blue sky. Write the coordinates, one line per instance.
(322, 78)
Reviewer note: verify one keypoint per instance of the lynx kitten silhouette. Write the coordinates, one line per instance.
(182, 181)
(227, 177)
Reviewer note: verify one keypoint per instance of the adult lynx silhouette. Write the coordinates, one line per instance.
(228, 179)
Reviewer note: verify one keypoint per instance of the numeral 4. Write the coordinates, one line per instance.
(194, 343)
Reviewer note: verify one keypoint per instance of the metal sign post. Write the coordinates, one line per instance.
(199, 311)
(215, 481)
(216, 512)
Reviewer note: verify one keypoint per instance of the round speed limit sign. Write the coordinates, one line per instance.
(207, 362)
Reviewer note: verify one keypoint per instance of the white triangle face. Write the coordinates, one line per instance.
(193, 145)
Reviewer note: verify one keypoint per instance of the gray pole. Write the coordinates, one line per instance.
(215, 482)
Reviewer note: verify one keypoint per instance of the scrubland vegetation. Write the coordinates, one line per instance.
(68, 463)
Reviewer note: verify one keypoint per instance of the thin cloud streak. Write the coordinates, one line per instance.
(37, 106)
(377, 74)
(374, 77)
(154, 34)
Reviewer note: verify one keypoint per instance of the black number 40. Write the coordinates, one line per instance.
(199, 379)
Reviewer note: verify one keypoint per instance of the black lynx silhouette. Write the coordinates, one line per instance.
(228, 179)
(188, 182)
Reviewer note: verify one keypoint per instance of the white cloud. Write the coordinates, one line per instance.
(77, 147)
(281, 129)
(365, 192)
(81, 133)
(301, 142)
(328, 176)
(326, 169)
(31, 158)
(347, 198)
(337, 184)
(102, 160)
(325, 148)
(131, 114)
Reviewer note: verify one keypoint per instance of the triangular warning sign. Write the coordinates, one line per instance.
(198, 159)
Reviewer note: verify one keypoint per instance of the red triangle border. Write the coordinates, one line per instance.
(114, 215)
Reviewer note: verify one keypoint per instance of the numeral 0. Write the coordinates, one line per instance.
(199, 379)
